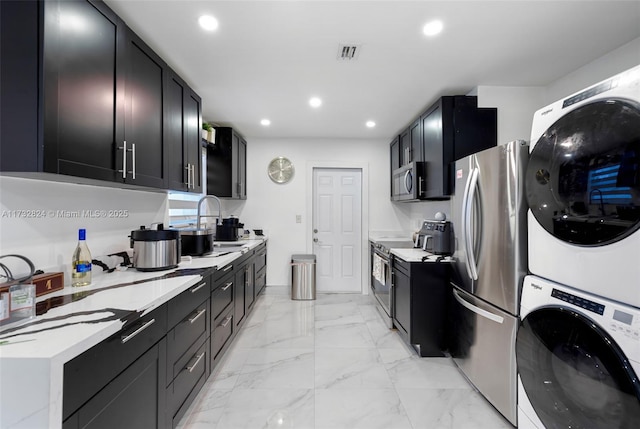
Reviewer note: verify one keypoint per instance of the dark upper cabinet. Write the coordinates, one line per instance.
(404, 140)
(410, 141)
(83, 102)
(183, 120)
(395, 153)
(227, 165)
(143, 145)
(93, 95)
(450, 129)
(453, 128)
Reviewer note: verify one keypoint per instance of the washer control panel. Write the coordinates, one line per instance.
(578, 301)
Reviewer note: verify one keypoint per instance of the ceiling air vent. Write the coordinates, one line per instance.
(348, 52)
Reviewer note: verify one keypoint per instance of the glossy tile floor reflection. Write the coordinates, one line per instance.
(332, 364)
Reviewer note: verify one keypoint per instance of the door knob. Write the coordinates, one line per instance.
(315, 230)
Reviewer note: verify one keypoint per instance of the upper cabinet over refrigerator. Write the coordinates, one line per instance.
(450, 129)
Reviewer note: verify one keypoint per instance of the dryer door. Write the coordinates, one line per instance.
(583, 177)
(574, 373)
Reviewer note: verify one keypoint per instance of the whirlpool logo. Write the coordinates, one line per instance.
(536, 287)
(546, 112)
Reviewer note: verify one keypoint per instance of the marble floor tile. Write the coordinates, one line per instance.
(450, 409)
(343, 336)
(359, 408)
(278, 368)
(268, 408)
(332, 363)
(350, 368)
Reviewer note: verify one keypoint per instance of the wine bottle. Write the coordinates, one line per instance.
(81, 262)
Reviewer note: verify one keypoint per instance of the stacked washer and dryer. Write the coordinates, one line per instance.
(578, 344)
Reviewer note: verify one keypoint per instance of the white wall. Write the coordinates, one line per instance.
(619, 60)
(37, 219)
(274, 207)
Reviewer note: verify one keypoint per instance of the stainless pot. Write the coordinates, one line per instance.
(197, 241)
(155, 249)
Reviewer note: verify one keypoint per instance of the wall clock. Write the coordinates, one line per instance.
(280, 170)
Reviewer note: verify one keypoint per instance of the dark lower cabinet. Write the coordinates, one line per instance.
(101, 386)
(134, 399)
(148, 374)
(420, 299)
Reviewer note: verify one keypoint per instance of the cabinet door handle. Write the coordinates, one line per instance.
(227, 286)
(197, 316)
(124, 159)
(133, 154)
(226, 321)
(126, 338)
(133, 160)
(188, 168)
(197, 288)
(227, 269)
(191, 367)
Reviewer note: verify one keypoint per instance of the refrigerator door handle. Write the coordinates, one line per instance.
(463, 230)
(472, 269)
(479, 311)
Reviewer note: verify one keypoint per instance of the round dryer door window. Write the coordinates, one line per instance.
(583, 177)
(574, 373)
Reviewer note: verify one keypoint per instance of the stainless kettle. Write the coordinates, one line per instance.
(155, 249)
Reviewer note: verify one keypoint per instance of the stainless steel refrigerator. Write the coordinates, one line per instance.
(489, 218)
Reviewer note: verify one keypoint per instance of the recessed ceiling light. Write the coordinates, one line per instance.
(208, 22)
(370, 124)
(265, 122)
(432, 28)
(315, 102)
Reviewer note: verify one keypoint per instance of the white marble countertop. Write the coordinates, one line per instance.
(416, 255)
(32, 356)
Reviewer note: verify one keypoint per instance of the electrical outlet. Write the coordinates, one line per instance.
(298, 218)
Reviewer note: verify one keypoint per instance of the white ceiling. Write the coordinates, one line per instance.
(267, 58)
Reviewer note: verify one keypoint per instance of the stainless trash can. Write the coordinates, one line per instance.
(303, 277)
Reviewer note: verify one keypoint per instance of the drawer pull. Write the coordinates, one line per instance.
(200, 286)
(190, 368)
(227, 269)
(226, 321)
(197, 316)
(227, 286)
(126, 338)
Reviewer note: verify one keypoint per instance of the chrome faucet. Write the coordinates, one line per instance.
(213, 197)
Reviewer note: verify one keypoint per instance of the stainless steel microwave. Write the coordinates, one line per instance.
(408, 182)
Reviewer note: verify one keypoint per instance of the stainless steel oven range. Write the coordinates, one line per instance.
(381, 274)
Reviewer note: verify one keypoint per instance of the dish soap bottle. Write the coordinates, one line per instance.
(81, 262)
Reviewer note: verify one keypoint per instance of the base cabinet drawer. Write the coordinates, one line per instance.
(131, 400)
(221, 333)
(191, 330)
(182, 305)
(88, 373)
(222, 296)
(192, 372)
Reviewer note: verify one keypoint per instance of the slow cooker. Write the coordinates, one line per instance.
(155, 249)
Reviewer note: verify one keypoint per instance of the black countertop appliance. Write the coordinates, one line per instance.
(229, 230)
(436, 236)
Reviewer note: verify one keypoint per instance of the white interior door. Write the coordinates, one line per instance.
(337, 228)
